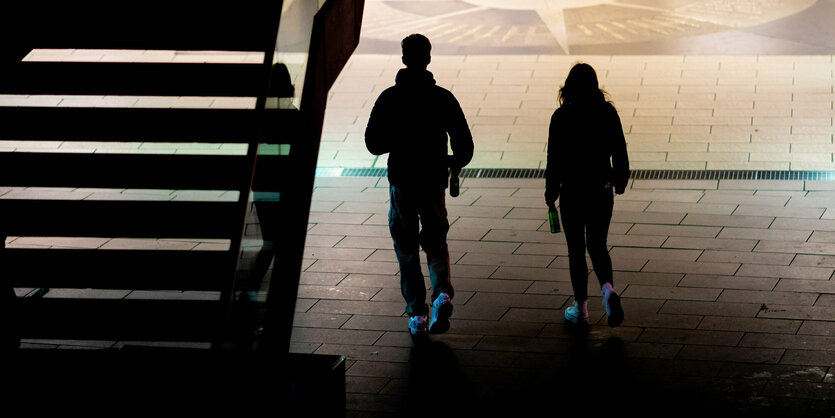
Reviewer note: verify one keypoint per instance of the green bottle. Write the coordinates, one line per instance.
(454, 182)
(554, 218)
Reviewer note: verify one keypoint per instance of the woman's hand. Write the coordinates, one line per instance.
(551, 197)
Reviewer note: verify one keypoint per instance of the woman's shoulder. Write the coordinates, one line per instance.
(608, 106)
(563, 110)
(608, 110)
(568, 110)
(558, 113)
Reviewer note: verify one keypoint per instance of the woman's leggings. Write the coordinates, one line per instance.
(585, 222)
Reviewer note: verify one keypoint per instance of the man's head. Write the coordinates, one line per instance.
(416, 48)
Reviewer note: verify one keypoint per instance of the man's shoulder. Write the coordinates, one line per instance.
(435, 93)
(388, 91)
(443, 90)
(442, 95)
(388, 95)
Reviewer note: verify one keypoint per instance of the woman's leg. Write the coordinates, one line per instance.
(597, 232)
(572, 214)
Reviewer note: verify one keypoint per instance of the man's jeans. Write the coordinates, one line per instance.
(418, 219)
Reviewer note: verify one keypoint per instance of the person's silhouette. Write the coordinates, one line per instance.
(9, 338)
(415, 121)
(252, 279)
(586, 159)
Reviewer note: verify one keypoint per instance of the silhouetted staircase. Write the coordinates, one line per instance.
(164, 297)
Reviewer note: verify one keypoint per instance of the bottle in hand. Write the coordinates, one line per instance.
(455, 182)
(554, 219)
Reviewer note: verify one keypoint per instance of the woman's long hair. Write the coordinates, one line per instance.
(581, 86)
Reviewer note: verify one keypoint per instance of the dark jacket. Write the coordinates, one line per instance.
(586, 150)
(410, 121)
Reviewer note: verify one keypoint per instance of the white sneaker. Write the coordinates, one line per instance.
(575, 315)
(417, 325)
(441, 311)
(614, 310)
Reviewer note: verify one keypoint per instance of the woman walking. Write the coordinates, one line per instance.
(587, 162)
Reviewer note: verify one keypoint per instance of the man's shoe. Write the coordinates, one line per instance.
(614, 310)
(441, 311)
(574, 315)
(417, 326)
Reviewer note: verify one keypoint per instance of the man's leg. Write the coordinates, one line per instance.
(433, 235)
(404, 228)
(433, 240)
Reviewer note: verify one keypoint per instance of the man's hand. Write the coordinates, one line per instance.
(454, 177)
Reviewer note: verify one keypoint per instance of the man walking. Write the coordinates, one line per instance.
(416, 122)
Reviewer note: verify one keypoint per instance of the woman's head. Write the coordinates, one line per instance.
(581, 86)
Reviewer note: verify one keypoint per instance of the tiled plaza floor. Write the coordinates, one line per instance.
(726, 288)
(727, 284)
(678, 112)
(699, 85)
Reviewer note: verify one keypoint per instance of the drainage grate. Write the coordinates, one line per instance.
(538, 173)
(364, 172)
(731, 175)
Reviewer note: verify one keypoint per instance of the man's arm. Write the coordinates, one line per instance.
(460, 137)
(377, 130)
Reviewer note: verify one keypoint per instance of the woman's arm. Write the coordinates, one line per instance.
(552, 177)
(620, 159)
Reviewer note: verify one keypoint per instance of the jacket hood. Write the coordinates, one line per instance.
(409, 77)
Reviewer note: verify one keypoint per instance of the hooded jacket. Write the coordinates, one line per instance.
(416, 122)
(586, 150)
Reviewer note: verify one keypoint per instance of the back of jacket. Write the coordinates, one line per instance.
(586, 149)
(414, 121)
